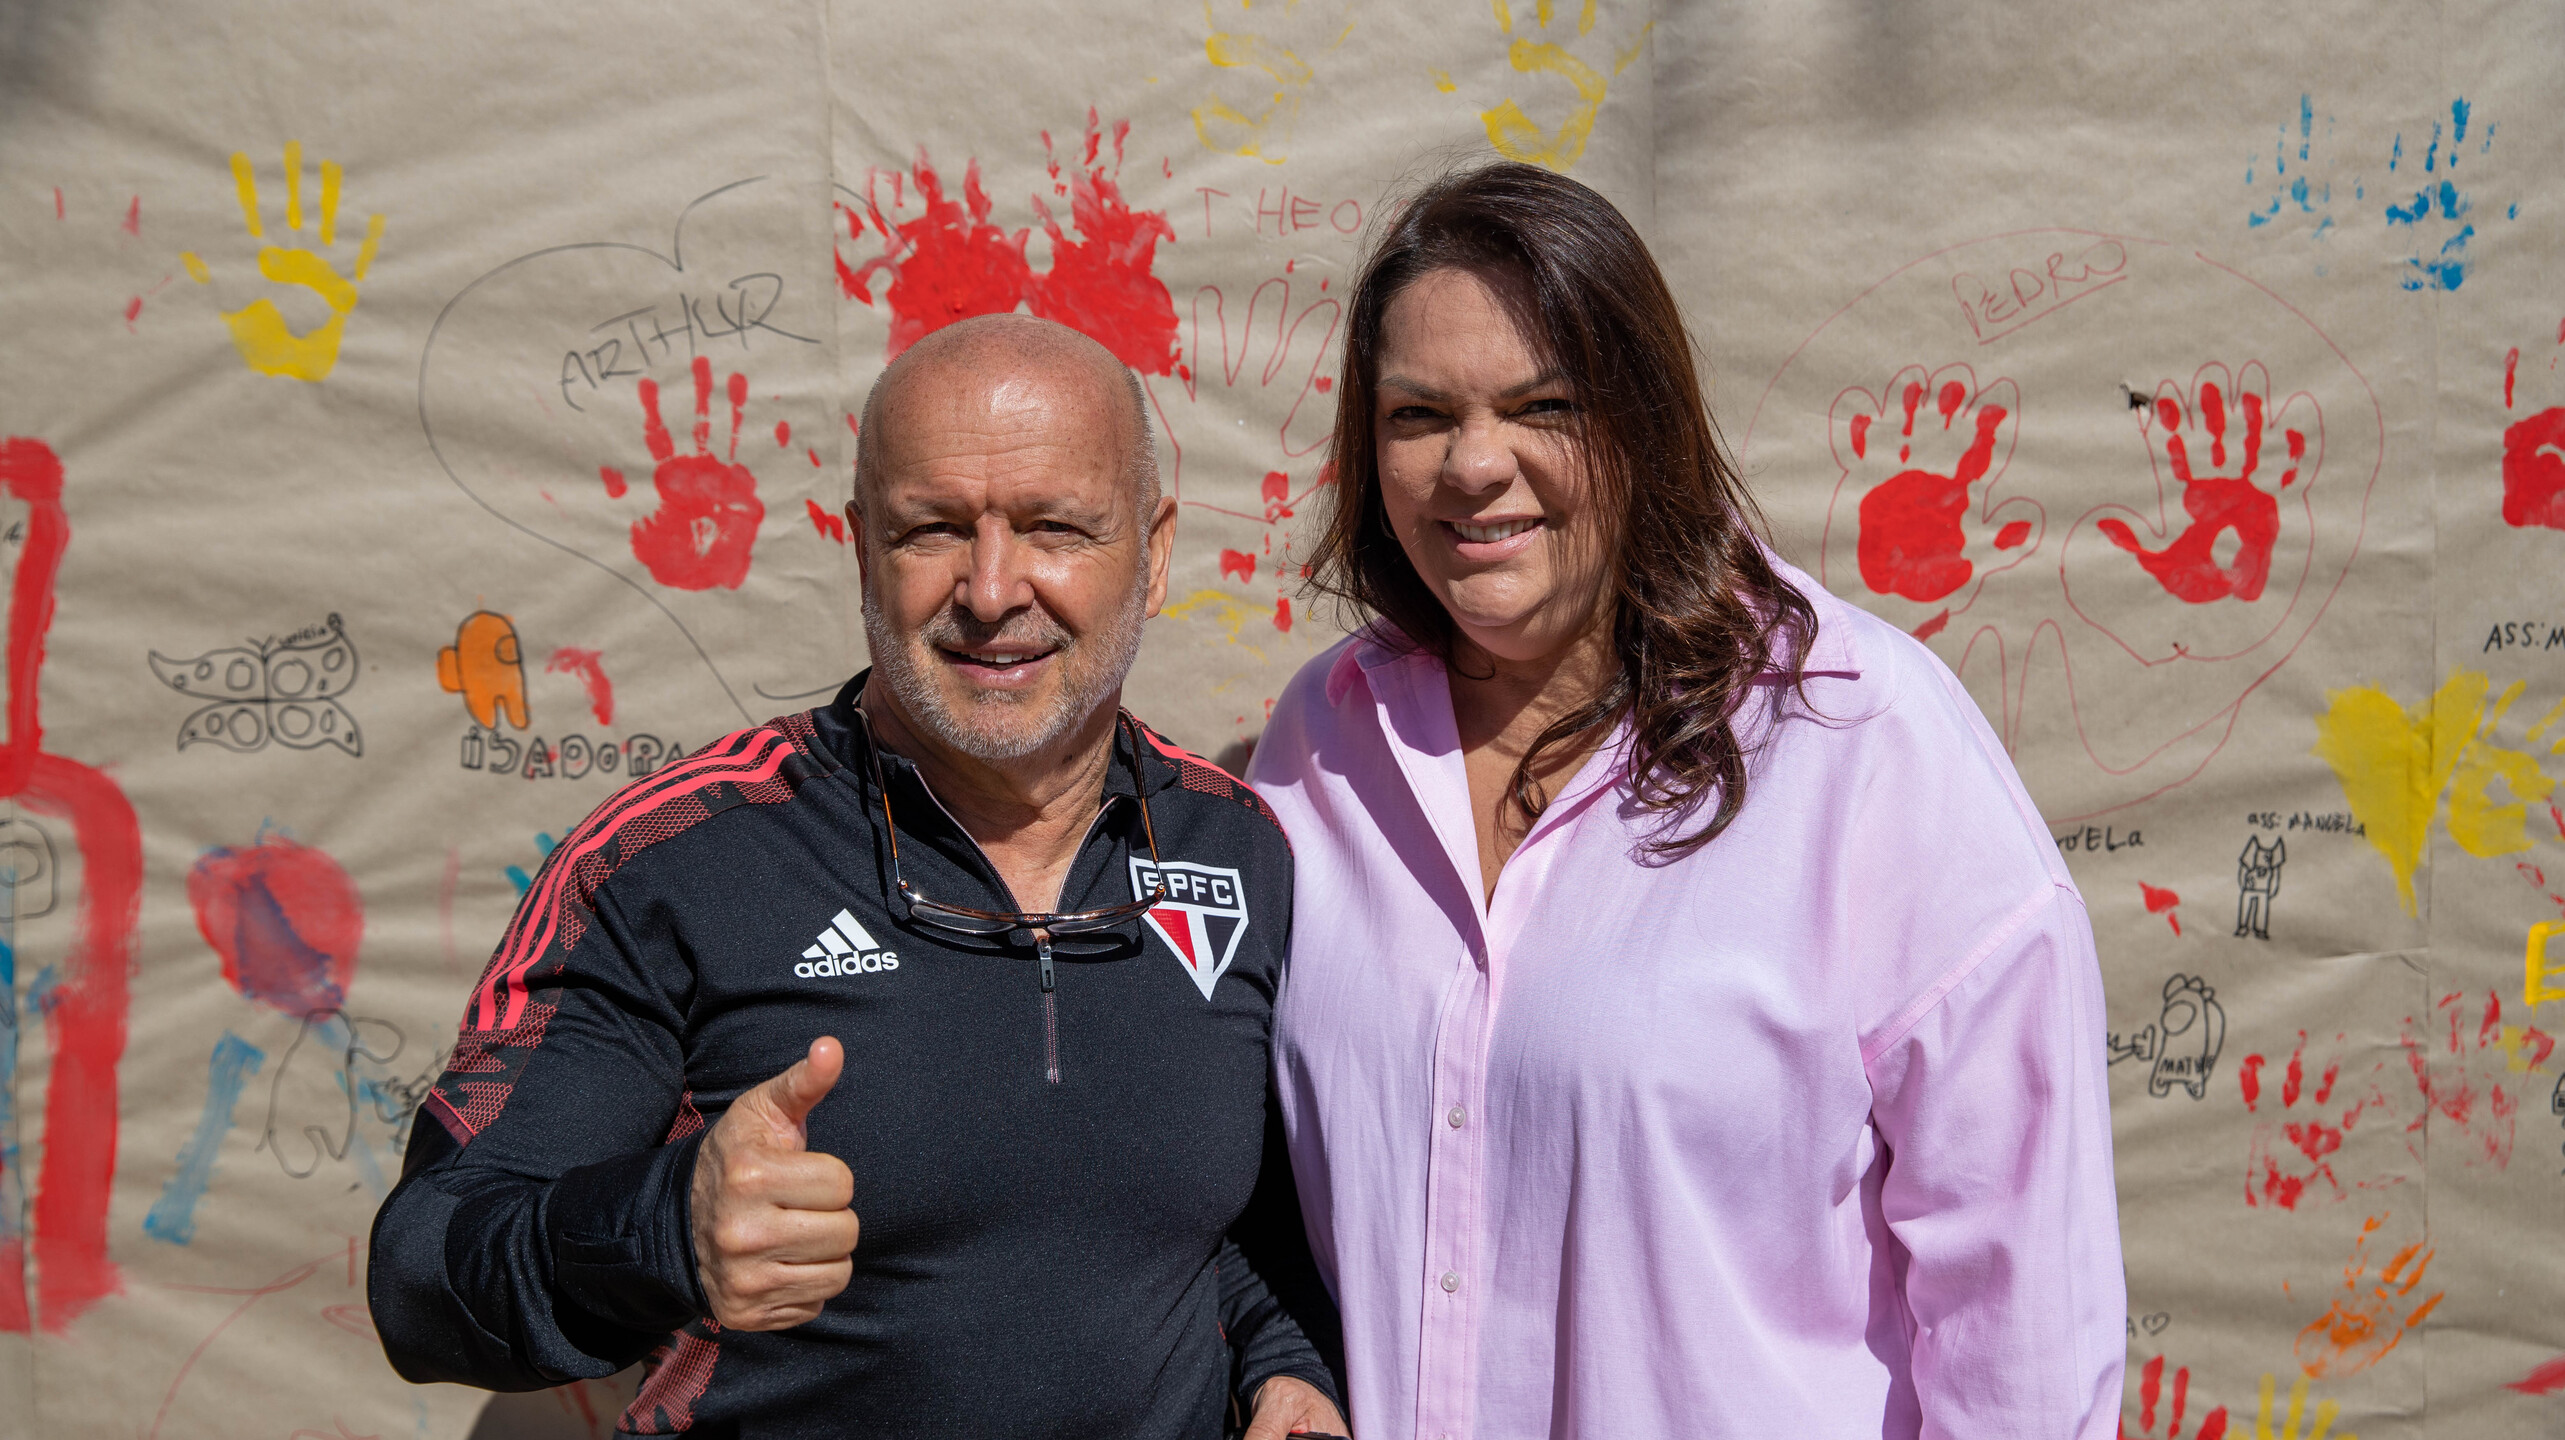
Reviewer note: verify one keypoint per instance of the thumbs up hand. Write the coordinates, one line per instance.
(772, 1230)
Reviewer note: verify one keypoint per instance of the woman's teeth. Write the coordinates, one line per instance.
(1486, 534)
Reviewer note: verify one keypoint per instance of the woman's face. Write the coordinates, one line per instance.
(1482, 473)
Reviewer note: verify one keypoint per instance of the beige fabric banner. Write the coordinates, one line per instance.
(425, 420)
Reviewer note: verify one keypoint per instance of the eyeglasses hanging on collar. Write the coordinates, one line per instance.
(1037, 928)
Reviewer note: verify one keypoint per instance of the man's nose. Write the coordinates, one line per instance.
(997, 584)
(1480, 459)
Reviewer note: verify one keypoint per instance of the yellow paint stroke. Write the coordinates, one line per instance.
(2481, 827)
(2325, 1413)
(1443, 81)
(267, 344)
(1222, 609)
(2386, 758)
(1513, 133)
(2519, 1055)
(1224, 128)
(2540, 981)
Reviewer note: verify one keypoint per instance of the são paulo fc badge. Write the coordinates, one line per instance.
(1204, 914)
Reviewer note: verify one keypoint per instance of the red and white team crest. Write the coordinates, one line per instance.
(1204, 914)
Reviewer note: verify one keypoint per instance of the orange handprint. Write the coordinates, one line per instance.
(259, 330)
(1917, 455)
(2367, 1319)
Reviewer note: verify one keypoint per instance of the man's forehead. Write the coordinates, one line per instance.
(977, 469)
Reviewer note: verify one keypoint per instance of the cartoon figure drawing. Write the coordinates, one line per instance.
(486, 666)
(2257, 877)
(2194, 1030)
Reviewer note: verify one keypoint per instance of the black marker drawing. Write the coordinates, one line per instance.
(283, 690)
(2183, 1043)
(2257, 878)
(27, 870)
(334, 1098)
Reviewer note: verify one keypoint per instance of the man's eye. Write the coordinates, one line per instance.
(937, 531)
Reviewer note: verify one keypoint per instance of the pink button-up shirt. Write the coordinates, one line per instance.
(1805, 1134)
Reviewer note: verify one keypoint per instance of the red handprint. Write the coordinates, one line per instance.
(2273, 1174)
(945, 265)
(2466, 1089)
(2534, 470)
(2201, 564)
(1913, 453)
(1100, 283)
(2150, 1389)
(2364, 1322)
(706, 524)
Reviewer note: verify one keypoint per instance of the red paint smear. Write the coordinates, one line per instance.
(2150, 1382)
(57, 214)
(133, 312)
(1282, 614)
(286, 920)
(2547, 1379)
(825, 523)
(814, 458)
(2187, 568)
(86, 1025)
(945, 265)
(2213, 1426)
(2511, 370)
(615, 485)
(705, 528)
(1323, 383)
(2534, 470)
(2014, 533)
(783, 434)
(2296, 1077)
(1860, 436)
(2249, 1075)
(1100, 283)
(1238, 565)
(2158, 900)
(590, 667)
(2540, 1043)
(1911, 540)
(133, 217)
(1934, 626)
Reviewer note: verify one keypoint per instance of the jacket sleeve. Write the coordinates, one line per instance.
(539, 1232)
(1995, 1109)
(1273, 1306)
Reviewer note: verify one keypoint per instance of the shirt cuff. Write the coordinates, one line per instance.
(621, 1236)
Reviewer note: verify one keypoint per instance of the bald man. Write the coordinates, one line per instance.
(900, 1067)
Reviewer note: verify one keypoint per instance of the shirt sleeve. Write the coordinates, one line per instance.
(539, 1232)
(1994, 1107)
(1273, 1307)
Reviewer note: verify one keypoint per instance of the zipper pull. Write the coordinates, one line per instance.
(1042, 948)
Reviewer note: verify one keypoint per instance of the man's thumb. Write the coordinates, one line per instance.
(797, 1090)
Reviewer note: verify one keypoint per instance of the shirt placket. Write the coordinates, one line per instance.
(1455, 1176)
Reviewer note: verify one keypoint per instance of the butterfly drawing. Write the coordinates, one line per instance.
(283, 690)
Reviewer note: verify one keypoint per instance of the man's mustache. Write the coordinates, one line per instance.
(1031, 630)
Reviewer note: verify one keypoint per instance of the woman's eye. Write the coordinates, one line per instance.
(1552, 405)
(1412, 413)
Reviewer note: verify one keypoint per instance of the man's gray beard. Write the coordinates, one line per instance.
(1092, 670)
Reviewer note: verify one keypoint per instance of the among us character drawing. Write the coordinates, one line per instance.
(2193, 1031)
(2257, 877)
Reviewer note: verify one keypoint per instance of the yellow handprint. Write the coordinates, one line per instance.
(1264, 134)
(259, 330)
(2325, 1411)
(1512, 132)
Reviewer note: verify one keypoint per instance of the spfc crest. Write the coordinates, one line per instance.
(1204, 914)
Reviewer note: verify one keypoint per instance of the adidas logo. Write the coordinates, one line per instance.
(845, 948)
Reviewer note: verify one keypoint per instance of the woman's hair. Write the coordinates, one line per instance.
(1698, 611)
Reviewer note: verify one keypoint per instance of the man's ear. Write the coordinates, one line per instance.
(863, 552)
(1162, 551)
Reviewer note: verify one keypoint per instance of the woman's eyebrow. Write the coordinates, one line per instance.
(1548, 377)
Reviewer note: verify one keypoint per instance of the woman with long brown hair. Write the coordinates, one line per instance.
(1691, 1029)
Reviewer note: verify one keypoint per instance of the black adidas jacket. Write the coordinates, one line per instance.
(1114, 1253)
